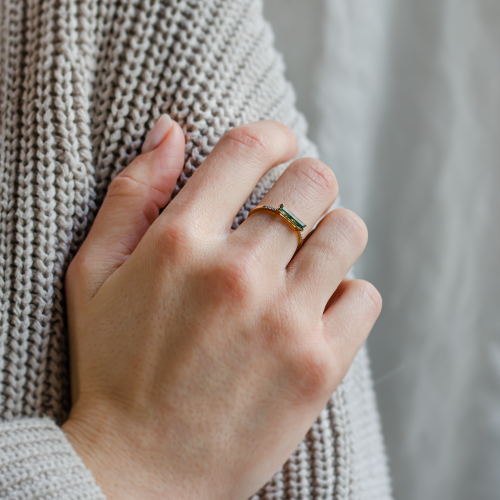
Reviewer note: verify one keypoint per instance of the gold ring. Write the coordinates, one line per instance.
(297, 225)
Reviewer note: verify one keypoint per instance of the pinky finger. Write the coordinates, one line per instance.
(349, 317)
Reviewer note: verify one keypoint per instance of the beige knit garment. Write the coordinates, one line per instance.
(81, 83)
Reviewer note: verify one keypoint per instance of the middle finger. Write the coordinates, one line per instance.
(222, 183)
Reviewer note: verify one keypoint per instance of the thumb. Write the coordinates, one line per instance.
(133, 202)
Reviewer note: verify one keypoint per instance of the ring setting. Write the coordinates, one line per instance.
(297, 225)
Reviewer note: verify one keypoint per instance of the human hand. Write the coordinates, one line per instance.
(200, 356)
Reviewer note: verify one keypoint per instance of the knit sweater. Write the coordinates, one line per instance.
(81, 83)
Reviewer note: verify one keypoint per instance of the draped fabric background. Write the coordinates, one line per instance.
(403, 99)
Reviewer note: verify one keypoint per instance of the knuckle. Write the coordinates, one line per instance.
(178, 240)
(317, 176)
(237, 280)
(313, 368)
(349, 226)
(371, 299)
(124, 185)
(245, 140)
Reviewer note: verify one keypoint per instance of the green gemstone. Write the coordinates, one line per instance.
(294, 220)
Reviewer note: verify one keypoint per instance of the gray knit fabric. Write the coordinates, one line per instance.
(81, 83)
(36, 461)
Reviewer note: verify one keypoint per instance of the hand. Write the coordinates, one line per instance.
(200, 356)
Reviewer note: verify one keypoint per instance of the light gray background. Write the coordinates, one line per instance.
(403, 100)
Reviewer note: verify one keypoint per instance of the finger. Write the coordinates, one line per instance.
(352, 312)
(133, 202)
(307, 188)
(221, 185)
(326, 257)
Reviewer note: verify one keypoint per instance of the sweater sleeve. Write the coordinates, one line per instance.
(38, 462)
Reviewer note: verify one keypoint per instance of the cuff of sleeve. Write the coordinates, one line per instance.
(38, 462)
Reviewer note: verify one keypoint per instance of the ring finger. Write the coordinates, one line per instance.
(307, 188)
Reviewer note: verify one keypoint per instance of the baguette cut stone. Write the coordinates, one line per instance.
(292, 218)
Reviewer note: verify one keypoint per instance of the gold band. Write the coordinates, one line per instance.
(296, 224)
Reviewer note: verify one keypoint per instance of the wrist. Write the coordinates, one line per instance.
(125, 466)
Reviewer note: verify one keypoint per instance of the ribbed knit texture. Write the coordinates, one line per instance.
(81, 83)
(37, 462)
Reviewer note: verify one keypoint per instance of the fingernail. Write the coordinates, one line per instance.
(157, 134)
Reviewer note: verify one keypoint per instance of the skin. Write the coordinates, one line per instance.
(201, 356)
